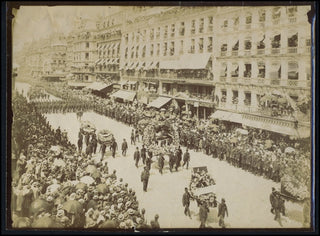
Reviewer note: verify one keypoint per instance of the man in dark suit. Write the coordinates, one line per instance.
(145, 178)
(143, 154)
(124, 147)
(136, 156)
(186, 202)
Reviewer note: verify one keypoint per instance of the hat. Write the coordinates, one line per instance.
(60, 213)
(156, 216)
(120, 217)
(49, 198)
(130, 211)
(81, 200)
(95, 197)
(122, 225)
(120, 200)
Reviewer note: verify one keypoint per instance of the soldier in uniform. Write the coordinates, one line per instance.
(186, 202)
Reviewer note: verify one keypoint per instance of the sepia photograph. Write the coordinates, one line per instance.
(161, 117)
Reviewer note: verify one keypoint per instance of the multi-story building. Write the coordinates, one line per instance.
(170, 52)
(263, 65)
(54, 64)
(108, 47)
(84, 50)
(235, 60)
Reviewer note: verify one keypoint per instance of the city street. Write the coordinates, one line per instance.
(246, 195)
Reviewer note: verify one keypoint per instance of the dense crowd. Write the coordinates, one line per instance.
(55, 186)
(258, 151)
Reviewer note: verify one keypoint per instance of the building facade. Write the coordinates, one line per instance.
(108, 47)
(251, 64)
(170, 52)
(84, 50)
(263, 63)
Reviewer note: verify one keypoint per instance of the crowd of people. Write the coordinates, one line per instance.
(258, 151)
(55, 186)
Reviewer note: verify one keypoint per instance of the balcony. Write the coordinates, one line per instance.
(261, 24)
(292, 20)
(261, 51)
(234, 53)
(275, 82)
(308, 49)
(248, 26)
(276, 21)
(223, 53)
(223, 79)
(234, 79)
(210, 28)
(247, 52)
(275, 51)
(293, 50)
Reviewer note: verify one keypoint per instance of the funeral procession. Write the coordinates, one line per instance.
(150, 118)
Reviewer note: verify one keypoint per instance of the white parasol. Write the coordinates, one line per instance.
(87, 180)
(289, 150)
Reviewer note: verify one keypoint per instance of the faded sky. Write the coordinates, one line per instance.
(34, 22)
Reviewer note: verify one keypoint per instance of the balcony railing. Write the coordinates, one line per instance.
(261, 25)
(276, 21)
(292, 50)
(223, 79)
(261, 51)
(234, 79)
(210, 28)
(248, 26)
(292, 20)
(275, 51)
(234, 53)
(308, 49)
(275, 81)
(247, 52)
(223, 53)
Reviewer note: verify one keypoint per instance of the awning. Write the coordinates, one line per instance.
(277, 127)
(125, 95)
(148, 65)
(141, 65)
(154, 65)
(194, 61)
(159, 102)
(98, 86)
(97, 61)
(227, 116)
(131, 82)
(75, 84)
(169, 65)
(134, 65)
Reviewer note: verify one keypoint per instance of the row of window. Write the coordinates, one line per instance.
(78, 57)
(169, 48)
(274, 71)
(170, 30)
(275, 43)
(291, 11)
